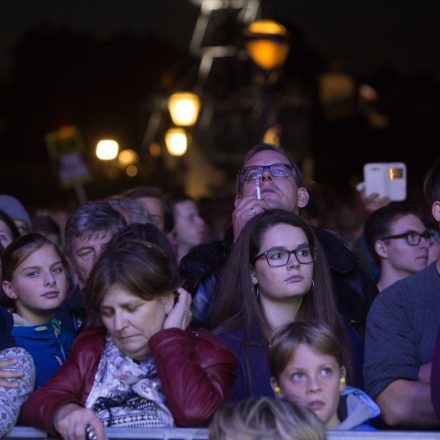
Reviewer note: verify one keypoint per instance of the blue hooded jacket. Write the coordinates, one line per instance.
(48, 344)
(355, 410)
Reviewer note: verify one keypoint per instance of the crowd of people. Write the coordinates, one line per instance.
(128, 316)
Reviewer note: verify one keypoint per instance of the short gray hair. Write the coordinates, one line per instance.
(136, 212)
(92, 217)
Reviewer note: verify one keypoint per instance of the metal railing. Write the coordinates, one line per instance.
(27, 433)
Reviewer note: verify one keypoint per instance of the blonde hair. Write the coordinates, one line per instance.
(265, 418)
(288, 338)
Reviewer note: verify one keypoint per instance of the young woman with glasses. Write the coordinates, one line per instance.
(276, 274)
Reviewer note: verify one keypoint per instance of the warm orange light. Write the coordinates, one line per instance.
(107, 149)
(267, 44)
(128, 157)
(176, 141)
(184, 108)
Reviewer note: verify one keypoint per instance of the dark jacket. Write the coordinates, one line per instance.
(355, 290)
(6, 323)
(195, 368)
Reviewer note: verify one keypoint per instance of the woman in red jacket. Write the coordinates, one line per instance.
(142, 368)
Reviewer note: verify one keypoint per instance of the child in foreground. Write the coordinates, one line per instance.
(305, 362)
(265, 418)
(34, 284)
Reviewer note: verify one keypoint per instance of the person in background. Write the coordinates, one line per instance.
(158, 207)
(88, 231)
(306, 364)
(130, 208)
(400, 340)
(264, 418)
(269, 179)
(8, 230)
(45, 225)
(399, 242)
(276, 274)
(16, 211)
(34, 284)
(17, 375)
(189, 228)
(142, 367)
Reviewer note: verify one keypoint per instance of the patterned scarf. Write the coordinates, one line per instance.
(127, 394)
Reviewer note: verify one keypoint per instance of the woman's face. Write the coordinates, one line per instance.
(39, 285)
(131, 321)
(5, 234)
(315, 379)
(291, 280)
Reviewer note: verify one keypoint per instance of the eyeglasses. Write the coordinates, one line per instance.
(275, 170)
(413, 238)
(281, 257)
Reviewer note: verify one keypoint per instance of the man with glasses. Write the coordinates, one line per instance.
(401, 331)
(398, 241)
(270, 180)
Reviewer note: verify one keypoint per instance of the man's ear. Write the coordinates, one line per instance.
(381, 249)
(8, 288)
(436, 211)
(303, 197)
(276, 388)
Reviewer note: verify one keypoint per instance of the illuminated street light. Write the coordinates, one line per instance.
(128, 157)
(267, 44)
(176, 141)
(107, 149)
(184, 108)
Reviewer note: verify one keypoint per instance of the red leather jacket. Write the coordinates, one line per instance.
(196, 370)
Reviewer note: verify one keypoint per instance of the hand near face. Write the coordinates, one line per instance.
(71, 421)
(245, 209)
(180, 315)
(7, 373)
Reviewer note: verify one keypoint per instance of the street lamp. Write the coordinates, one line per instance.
(184, 108)
(176, 141)
(266, 43)
(107, 149)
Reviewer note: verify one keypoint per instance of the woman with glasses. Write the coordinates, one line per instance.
(276, 274)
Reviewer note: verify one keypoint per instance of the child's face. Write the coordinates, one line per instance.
(38, 285)
(313, 378)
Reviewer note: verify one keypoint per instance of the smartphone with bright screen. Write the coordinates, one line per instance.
(386, 180)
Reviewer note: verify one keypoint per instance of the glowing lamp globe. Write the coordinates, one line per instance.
(107, 149)
(184, 108)
(176, 141)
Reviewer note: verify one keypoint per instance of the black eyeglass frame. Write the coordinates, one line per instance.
(427, 235)
(313, 251)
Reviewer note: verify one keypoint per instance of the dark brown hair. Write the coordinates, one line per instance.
(431, 185)
(139, 266)
(287, 339)
(236, 304)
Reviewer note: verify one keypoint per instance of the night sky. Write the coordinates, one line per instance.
(392, 45)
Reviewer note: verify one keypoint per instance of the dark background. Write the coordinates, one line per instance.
(99, 65)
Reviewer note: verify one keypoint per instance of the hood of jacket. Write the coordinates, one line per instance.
(358, 408)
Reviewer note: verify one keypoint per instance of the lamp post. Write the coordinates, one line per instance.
(267, 45)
